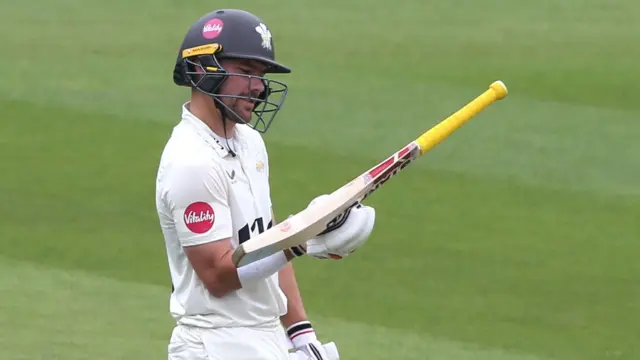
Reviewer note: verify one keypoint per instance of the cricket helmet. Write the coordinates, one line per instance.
(231, 34)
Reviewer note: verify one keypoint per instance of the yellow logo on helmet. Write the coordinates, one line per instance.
(208, 49)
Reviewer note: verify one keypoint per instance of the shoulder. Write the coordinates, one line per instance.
(185, 148)
(185, 142)
(187, 161)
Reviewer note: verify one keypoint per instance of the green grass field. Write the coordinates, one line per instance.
(515, 239)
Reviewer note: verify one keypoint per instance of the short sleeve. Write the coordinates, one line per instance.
(199, 206)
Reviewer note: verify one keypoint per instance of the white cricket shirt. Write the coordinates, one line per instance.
(204, 194)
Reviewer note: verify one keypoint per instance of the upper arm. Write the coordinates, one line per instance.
(199, 206)
(211, 262)
(200, 209)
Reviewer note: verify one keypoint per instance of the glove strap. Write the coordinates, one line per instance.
(298, 250)
(301, 333)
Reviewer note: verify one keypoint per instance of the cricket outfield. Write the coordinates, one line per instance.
(515, 239)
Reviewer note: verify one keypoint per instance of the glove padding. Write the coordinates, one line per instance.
(316, 351)
(343, 235)
(303, 339)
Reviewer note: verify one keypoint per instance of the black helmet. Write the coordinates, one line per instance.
(230, 34)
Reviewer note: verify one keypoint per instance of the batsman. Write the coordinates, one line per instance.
(213, 193)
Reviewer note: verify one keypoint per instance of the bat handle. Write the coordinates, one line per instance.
(497, 91)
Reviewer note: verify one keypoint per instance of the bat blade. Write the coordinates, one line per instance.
(312, 221)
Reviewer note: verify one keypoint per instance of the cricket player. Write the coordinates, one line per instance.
(213, 193)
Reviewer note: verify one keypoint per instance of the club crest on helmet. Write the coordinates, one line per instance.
(265, 34)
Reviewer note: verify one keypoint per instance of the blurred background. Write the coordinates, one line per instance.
(515, 239)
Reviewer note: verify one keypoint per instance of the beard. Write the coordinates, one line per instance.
(239, 110)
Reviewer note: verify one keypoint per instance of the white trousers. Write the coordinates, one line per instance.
(193, 343)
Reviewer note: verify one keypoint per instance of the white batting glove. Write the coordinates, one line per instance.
(343, 235)
(306, 344)
(330, 349)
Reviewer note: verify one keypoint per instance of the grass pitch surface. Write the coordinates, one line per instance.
(515, 239)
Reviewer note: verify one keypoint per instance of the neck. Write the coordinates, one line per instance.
(203, 107)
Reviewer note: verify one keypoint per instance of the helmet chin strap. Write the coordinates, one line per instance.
(223, 116)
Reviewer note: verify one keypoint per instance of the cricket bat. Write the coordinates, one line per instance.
(306, 224)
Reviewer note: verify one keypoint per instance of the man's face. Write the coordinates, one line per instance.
(245, 86)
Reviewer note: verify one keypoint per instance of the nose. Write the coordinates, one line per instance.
(256, 85)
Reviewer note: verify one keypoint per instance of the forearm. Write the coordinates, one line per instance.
(289, 286)
(257, 271)
(225, 277)
(298, 327)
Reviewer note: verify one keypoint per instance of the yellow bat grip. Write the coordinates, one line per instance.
(497, 91)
